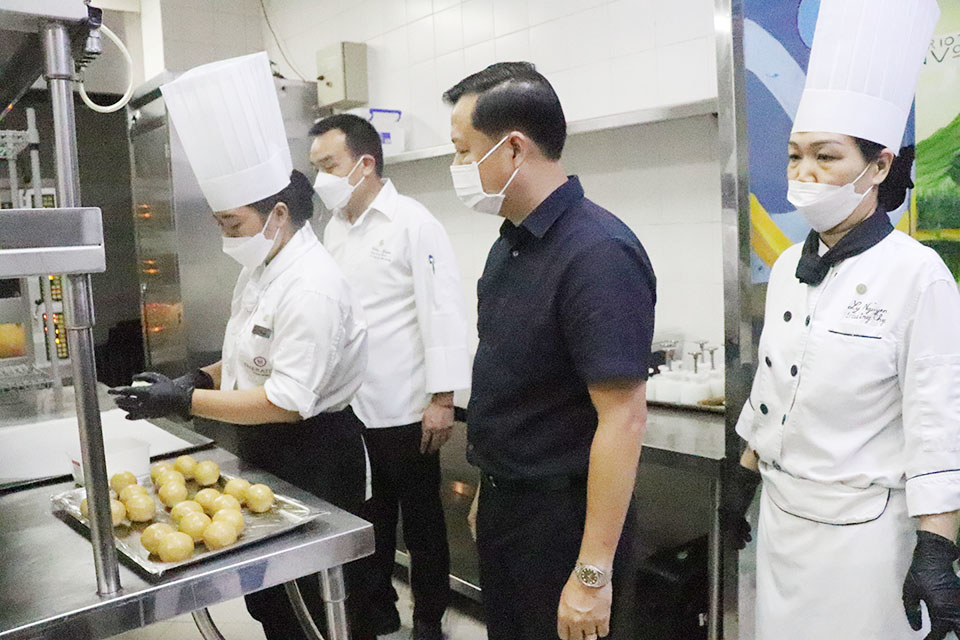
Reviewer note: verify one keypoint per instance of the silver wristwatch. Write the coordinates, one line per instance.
(591, 576)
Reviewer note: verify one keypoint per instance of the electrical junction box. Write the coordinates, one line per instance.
(342, 75)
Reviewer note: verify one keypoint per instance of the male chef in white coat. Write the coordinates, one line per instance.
(399, 260)
(854, 415)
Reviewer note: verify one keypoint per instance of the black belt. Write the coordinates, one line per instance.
(548, 483)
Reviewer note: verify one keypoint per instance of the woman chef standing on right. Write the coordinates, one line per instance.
(854, 415)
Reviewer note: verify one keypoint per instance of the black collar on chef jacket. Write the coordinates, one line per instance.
(813, 267)
(542, 218)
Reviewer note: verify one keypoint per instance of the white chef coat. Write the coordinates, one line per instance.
(859, 378)
(855, 417)
(297, 330)
(398, 259)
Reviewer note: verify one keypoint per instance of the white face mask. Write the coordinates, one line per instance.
(335, 191)
(469, 187)
(251, 251)
(825, 205)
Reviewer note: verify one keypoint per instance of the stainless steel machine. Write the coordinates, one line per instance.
(186, 282)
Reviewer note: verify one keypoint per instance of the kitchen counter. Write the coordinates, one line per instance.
(686, 439)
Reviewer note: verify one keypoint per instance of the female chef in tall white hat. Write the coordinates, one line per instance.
(294, 352)
(854, 414)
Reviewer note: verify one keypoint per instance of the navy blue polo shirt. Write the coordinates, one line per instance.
(566, 300)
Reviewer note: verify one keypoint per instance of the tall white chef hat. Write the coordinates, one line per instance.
(864, 64)
(228, 117)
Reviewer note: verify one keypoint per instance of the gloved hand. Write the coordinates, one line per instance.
(736, 501)
(931, 579)
(162, 397)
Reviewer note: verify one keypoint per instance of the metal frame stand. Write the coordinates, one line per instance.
(59, 73)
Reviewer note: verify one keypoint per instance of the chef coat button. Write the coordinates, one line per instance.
(794, 371)
(787, 317)
(784, 421)
(777, 466)
(808, 321)
(514, 253)
(769, 362)
(861, 289)
(764, 410)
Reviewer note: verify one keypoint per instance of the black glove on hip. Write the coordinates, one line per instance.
(931, 578)
(161, 398)
(736, 501)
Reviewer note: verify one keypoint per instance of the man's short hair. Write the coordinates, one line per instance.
(513, 96)
(362, 137)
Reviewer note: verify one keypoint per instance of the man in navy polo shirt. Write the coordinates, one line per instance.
(558, 409)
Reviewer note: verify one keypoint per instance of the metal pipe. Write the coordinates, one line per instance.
(307, 624)
(33, 137)
(334, 592)
(205, 624)
(739, 342)
(714, 555)
(78, 309)
(14, 181)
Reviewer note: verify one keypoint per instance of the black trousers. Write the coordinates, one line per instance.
(528, 541)
(324, 456)
(408, 483)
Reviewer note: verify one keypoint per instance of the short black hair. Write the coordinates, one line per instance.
(893, 191)
(514, 96)
(298, 196)
(362, 138)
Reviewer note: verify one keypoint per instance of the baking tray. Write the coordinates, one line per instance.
(286, 514)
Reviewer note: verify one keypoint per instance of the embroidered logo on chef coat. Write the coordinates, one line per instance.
(870, 314)
(381, 253)
(258, 366)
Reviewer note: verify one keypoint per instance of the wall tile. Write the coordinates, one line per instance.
(632, 26)
(540, 11)
(550, 46)
(479, 56)
(450, 70)
(477, 21)
(509, 16)
(440, 5)
(687, 71)
(682, 20)
(417, 9)
(589, 36)
(513, 47)
(635, 79)
(420, 40)
(448, 30)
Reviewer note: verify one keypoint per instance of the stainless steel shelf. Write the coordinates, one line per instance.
(615, 121)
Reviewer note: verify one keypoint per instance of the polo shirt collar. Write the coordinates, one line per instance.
(547, 212)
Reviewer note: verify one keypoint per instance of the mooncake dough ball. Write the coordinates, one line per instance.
(237, 488)
(159, 467)
(118, 512)
(219, 534)
(120, 480)
(131, 490)
(175, 547)
(172, 493)
(231, 516)
(141, 508)
(225, 502)
(185, 465)
(193, 525)
(151, 536)
(171, 475)
(206, 497)
(259, 498)
(183, 508)
(206, 473)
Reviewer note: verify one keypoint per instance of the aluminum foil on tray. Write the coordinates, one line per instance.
(286, 514)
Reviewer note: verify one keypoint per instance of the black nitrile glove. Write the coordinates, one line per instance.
(931, 579)
(736, 501)
(162, 397)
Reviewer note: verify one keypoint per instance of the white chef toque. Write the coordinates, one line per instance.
(864, 64)
(228, 118)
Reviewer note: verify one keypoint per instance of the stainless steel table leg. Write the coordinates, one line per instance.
(334, 592)
(208, 629)
(713, 563)
(303, 614)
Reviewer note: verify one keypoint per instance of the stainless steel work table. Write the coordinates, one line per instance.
(47, 583)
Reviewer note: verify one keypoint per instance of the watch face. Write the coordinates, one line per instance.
(589, 575)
